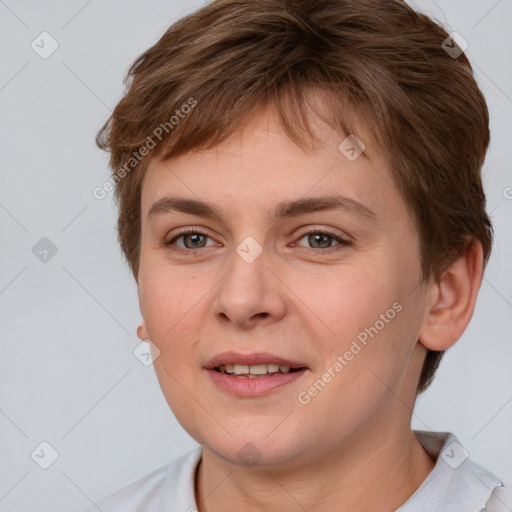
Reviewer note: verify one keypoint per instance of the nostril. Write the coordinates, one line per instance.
(263, 315)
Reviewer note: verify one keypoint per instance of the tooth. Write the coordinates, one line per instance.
(241, 368)
(253, 370)
(258, 369)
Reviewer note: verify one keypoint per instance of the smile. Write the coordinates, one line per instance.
(255, 370)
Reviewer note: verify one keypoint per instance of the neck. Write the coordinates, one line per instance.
(378, 468)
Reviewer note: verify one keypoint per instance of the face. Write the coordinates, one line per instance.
(331, 290)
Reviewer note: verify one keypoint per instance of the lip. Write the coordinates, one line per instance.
(243, 386)
(253, 358)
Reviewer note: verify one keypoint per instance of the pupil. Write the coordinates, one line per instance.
(195, 239)
(319, 235)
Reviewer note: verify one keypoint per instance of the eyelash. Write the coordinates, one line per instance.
(196, 231)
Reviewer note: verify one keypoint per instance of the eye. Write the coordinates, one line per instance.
(321, 239)
(192, 239)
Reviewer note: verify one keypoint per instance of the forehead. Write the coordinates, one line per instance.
(260, 166)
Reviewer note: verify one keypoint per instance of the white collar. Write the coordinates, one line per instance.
(456, 484)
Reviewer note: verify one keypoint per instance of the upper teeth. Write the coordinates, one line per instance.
(253, 369)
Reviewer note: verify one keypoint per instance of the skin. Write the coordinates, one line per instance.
(352, 444)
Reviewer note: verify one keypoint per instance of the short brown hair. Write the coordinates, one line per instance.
(378, 59)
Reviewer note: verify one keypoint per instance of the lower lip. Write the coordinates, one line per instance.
(243, 386)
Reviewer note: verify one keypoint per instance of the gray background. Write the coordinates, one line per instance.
(68, 375)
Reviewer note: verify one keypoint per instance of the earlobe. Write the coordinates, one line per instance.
(141, 332)
(453, 300)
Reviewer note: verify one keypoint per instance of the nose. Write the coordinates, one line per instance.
(250, 293)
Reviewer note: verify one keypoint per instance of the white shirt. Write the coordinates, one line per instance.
(456, 484)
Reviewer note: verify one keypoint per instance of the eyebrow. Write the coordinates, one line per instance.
(282, 210)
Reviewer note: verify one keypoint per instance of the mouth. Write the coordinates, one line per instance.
(253, 374)
(256, 363)
(255, 371)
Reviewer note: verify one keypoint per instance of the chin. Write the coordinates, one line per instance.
(255, 448)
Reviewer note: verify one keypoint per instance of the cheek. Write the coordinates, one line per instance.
(171, 307)
(348, 301)
(360, 332)
(174, 309)
(360, 368)
(167, 298)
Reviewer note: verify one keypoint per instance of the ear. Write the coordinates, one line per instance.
(452, 300)
(141, 332)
